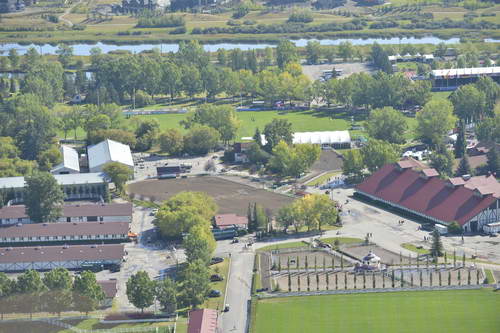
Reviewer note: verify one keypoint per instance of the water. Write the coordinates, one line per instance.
(84, 49)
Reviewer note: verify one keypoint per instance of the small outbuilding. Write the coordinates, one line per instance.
(70, 162)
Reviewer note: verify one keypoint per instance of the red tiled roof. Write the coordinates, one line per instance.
(202, 321)
(228, 220)
(408, 163)
(431, 197)
(241, 146)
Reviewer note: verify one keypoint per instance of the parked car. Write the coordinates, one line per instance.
(214, 293)
(216, 260)
(216, 277)
(226, 308)
(262, 290)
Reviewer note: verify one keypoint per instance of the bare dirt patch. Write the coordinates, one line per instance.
(230, 196)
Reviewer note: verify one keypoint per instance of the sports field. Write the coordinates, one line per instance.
(421, 311)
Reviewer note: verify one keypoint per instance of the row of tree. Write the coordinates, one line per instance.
(56, 292)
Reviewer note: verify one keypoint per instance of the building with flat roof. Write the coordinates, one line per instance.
(98, 212)
(472, 202)
(63, 232)
(109, 151)
(202, 321)
(452, 78)
(70, 162)
(335, 139)
(75, 186)
(14, 259)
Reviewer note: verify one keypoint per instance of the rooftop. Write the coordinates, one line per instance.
(69, 160)
(61, 253)
(431, 197)
(109, 288)
(111, 209)
(109, 151)
(453, 72)
(70, 179)
(228, 220)
(64, 229)
(202, 321)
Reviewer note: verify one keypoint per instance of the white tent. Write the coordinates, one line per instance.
(109, 151)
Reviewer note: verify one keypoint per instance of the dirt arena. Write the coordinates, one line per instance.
(230, 196)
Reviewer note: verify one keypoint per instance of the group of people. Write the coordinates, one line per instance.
(401, 222)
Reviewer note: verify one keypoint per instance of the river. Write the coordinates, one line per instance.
(84, 49)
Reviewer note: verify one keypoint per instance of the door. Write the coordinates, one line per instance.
(473, 226)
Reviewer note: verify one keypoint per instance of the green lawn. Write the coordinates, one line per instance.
(289, 245)
(95, 324)
(413, 248)
(302, 121)
(323, 178)
(426, 311)
(218, 302)
(342, 240)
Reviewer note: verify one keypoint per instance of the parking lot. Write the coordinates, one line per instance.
(314, 72)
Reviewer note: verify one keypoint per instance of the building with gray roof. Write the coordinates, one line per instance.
(109, 151)
(70, 162)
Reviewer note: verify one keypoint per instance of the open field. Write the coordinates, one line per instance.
(426, 311)
(230, 196)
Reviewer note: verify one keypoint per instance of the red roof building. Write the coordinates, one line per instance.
(202, 321)
(471, 201)
(224, 221)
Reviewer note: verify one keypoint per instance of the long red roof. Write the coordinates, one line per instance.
(430, 196)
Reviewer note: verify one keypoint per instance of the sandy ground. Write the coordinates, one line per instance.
(314, 72)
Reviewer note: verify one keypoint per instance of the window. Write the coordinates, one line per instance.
(63, 237)
(68, 219)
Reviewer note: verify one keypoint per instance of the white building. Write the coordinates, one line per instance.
(335, 139)
(70, 163)
(109, 151)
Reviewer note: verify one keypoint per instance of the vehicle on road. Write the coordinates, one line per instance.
(235, 240)
(214, 293)
(216, 277)
(226, 308)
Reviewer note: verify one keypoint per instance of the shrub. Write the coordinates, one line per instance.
(233, 23)
(455, 228)
(167, 21)
(240, 12)
(178, 31)
(249, 22)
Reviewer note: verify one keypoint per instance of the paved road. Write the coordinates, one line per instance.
(239, 287)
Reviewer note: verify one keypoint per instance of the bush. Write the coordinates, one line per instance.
(161, 21)
(455, 228)
(301, 16)
(233, 23)
(240, 12)
(178, 31)
(142, 99)
(249, 22)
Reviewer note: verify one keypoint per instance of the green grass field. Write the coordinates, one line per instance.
(426, 311)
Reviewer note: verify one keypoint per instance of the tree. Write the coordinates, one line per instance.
(256, 155)
(14, 58)
(45, 80)
(146, 133)
(141, 290)
(181, 212)
(277, 130)
(87, 293)
(463, 167)
(378, 153)
(435, 121)
(199, 243)
(118, 173)
(489, 129)
(313, 52)
(64, 54)
(346, 50)
(49, 158)
(387, 124)
(437, 246)
(469, 103)
(293, 161)
(7, 288)
(171, 142)
(461, 143)
(493, 163)
(353, 165)
(43, 197)
(286, 52)
(442, 161)
(491, 91)
(166, 294)
(30, 286)
(123, 136)
(200, 140)
(222, 118)
(196, 283)
(58, 298)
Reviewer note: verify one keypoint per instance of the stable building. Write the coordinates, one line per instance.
(452, 78)
(109, 151)
(64, 233)
(70, 162)
(224, 221)
(472, 202)
(81, 186)
(113, 212)
(202, 321)
(43, 258)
